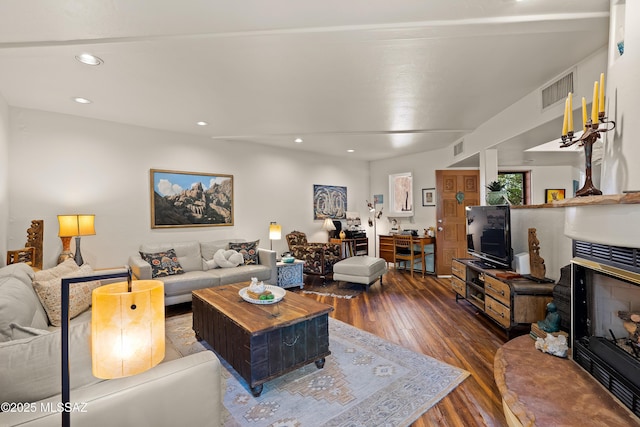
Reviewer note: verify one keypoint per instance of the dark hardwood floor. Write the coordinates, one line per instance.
(422, 315)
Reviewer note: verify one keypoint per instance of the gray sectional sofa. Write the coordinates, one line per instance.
(30, 381)
(195, 259)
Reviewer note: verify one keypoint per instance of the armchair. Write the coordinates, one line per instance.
(318, 258)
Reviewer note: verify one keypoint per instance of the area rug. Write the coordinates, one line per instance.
(333, 289)
(366, 381)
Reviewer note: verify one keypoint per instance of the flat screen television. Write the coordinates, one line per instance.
(489, 235)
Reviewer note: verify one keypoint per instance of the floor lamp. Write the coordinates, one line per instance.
(140, 322)
(275, 232)
(373, 222)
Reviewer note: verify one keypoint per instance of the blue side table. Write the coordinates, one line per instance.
(290, 274)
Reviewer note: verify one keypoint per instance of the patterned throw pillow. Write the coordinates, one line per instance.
(163, 264)
(47, 286)
(249, 251)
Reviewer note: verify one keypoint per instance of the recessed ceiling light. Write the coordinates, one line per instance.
(350, 150)
(202, 123)
(80, 100)
(87, 58)
(298, 140)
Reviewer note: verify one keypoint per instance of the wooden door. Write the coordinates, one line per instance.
(455, 189)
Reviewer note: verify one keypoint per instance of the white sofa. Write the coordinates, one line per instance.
(30, 373)
(193, 257)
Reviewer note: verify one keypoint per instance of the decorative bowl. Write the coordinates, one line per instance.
(288, 259)
(278, 294)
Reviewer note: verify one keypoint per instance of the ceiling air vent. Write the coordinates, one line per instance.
(557, 91)
(458, 148)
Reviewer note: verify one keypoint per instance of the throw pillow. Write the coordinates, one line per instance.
(211, 264)
(249, 251)
(50, 294)
(229, 258)
(66, 267)
(32, 365)
(163, 264)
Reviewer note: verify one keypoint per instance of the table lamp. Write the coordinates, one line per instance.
(74, 226)
(329, 226)
(275, 232)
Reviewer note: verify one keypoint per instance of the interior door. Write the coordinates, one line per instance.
(455, 190)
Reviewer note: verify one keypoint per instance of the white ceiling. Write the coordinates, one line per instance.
(384, 78)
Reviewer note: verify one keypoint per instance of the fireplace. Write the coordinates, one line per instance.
(605, 282)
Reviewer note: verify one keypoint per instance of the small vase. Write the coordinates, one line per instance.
(496, 197)
(343, 235)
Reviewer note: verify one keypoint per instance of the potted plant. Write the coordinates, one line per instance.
(497, 194)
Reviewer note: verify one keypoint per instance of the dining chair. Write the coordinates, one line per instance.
(404, 251)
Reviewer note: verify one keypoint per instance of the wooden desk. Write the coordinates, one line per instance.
(385, 249)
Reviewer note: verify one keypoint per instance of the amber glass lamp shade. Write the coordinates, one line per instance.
(127, 328)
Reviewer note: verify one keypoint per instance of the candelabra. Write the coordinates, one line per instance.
(587, 139)
(592, 130)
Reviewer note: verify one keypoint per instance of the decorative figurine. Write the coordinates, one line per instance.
(551, 323)
(536, 262)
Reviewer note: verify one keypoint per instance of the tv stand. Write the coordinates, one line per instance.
(484, 265)
(538, 280)
(511, 303)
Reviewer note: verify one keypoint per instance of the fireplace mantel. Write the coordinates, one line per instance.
(607, 199)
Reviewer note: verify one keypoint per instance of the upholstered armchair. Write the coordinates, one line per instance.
(318, 258)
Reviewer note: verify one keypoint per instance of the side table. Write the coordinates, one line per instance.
(290, 274)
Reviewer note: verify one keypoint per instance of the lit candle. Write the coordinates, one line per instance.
(564, 121)
(601, 100)
(570, 100)
(584, 113)
(594, 105)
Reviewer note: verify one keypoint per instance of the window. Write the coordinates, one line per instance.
(517, 184)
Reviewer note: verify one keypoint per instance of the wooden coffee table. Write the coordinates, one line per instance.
(262, 342)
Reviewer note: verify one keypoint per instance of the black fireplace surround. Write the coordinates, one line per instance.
(614, 361)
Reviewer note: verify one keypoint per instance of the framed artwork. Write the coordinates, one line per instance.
(329, 201)
(401, 194)
(551, 195)
(190, 199)
(428, 197)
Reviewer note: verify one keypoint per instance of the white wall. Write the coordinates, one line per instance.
(527, 113)
(621, 149)
(423, 167)
(4, 175)
(66, 164)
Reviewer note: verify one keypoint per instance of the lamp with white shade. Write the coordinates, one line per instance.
(275, 232)
(328, 226)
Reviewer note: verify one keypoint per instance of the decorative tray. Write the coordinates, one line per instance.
(278, 294)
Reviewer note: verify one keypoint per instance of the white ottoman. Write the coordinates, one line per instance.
(360, 269)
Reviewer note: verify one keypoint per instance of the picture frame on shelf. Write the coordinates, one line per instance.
(190, 199)
(553, 194)
(428, 197)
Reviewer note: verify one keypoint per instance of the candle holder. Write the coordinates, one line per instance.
(587, 139)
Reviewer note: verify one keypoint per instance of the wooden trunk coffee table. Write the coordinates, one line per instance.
(262, 342)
